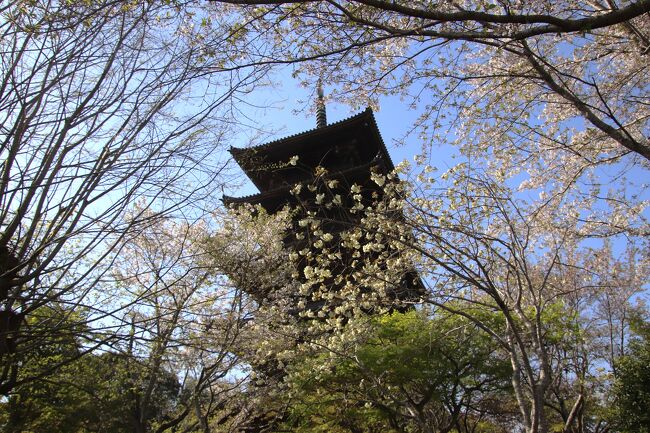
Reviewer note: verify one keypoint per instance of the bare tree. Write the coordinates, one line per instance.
(102, 105)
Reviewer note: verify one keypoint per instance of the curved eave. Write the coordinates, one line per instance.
(380, 139)
(283, 191)
(255, 198)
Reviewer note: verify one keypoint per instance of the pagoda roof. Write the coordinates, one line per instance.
(287, 144)
(357, 173)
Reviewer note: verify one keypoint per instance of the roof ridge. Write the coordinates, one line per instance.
(309, 131)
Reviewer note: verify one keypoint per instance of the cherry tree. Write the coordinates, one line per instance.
(552, 96)
(178, 313)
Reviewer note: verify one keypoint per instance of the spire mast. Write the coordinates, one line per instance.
(321, 115)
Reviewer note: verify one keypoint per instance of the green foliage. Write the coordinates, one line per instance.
(91, 393)
(408, 371)
(631, 412)
(97, 393)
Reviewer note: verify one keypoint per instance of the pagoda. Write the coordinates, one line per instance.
(348, 151)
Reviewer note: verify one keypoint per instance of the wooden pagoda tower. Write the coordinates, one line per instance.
(348, 151)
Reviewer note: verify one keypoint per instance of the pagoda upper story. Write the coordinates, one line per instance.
(347, 150)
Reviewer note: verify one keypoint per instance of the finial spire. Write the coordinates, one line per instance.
(321, 115)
